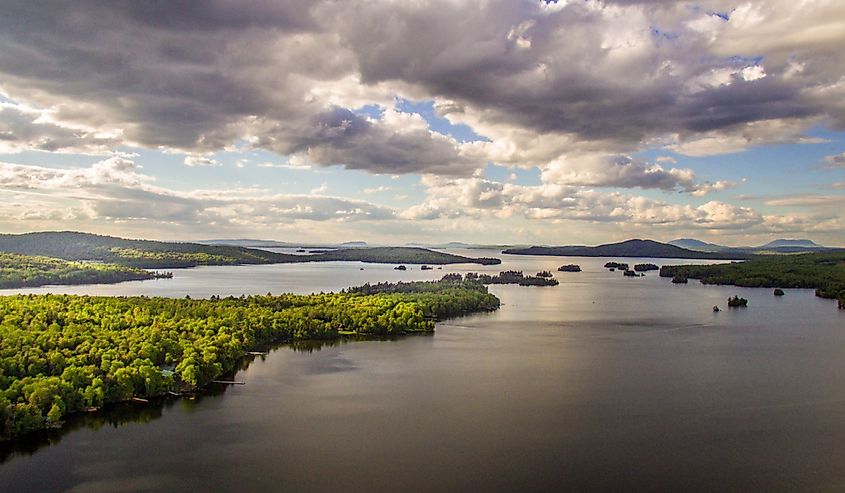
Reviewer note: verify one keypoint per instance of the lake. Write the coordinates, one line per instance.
(600, 383)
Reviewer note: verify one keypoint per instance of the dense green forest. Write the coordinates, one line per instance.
(398, 255)
(144, 254)
(62, 354)
(824, 272)
(20, 271)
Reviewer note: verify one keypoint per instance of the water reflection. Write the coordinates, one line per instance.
(123, 413)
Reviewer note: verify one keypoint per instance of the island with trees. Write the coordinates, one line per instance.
(737, 302)
(569, 268)
(645, 267)
(824, 272)
(63, 354)
(616, 265)
(510, 277)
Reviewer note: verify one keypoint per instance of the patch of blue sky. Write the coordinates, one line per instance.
(517, 176)
(50, 159)
(744, 61)
(371, 110)
(659, 33)
(770, 170)
(460, 132)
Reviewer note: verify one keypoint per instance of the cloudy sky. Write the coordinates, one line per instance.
(392, 121)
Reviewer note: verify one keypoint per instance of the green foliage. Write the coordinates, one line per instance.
(19, 271)
(737, 302)
(823, 271)
(61, 353)
(145, 254)
(511, 277)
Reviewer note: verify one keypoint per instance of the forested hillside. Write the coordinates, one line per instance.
(146, 254)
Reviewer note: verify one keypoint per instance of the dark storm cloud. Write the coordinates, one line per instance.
(287, 75)
(563, 72)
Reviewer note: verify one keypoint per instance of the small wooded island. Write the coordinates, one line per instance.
(569, 268)
(824, 272)
(63, 353)
(737, 302)
(509, 277)
(616, 265)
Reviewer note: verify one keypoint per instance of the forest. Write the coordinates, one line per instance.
(22, 271)
(824, 272)
(145, 254)
(63, 354)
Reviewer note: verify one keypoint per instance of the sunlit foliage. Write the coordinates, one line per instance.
(63, 353)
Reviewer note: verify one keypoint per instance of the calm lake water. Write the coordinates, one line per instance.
(601, 383)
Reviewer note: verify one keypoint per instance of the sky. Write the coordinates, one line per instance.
(398, 121)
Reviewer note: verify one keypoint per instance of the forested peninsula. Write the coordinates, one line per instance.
(824, 272)
(63, 354)
(23, 271)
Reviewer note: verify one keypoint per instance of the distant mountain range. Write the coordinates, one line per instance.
(681, 248)
(253, 243)
(462, 245)
(629, 248)
(776, 246)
